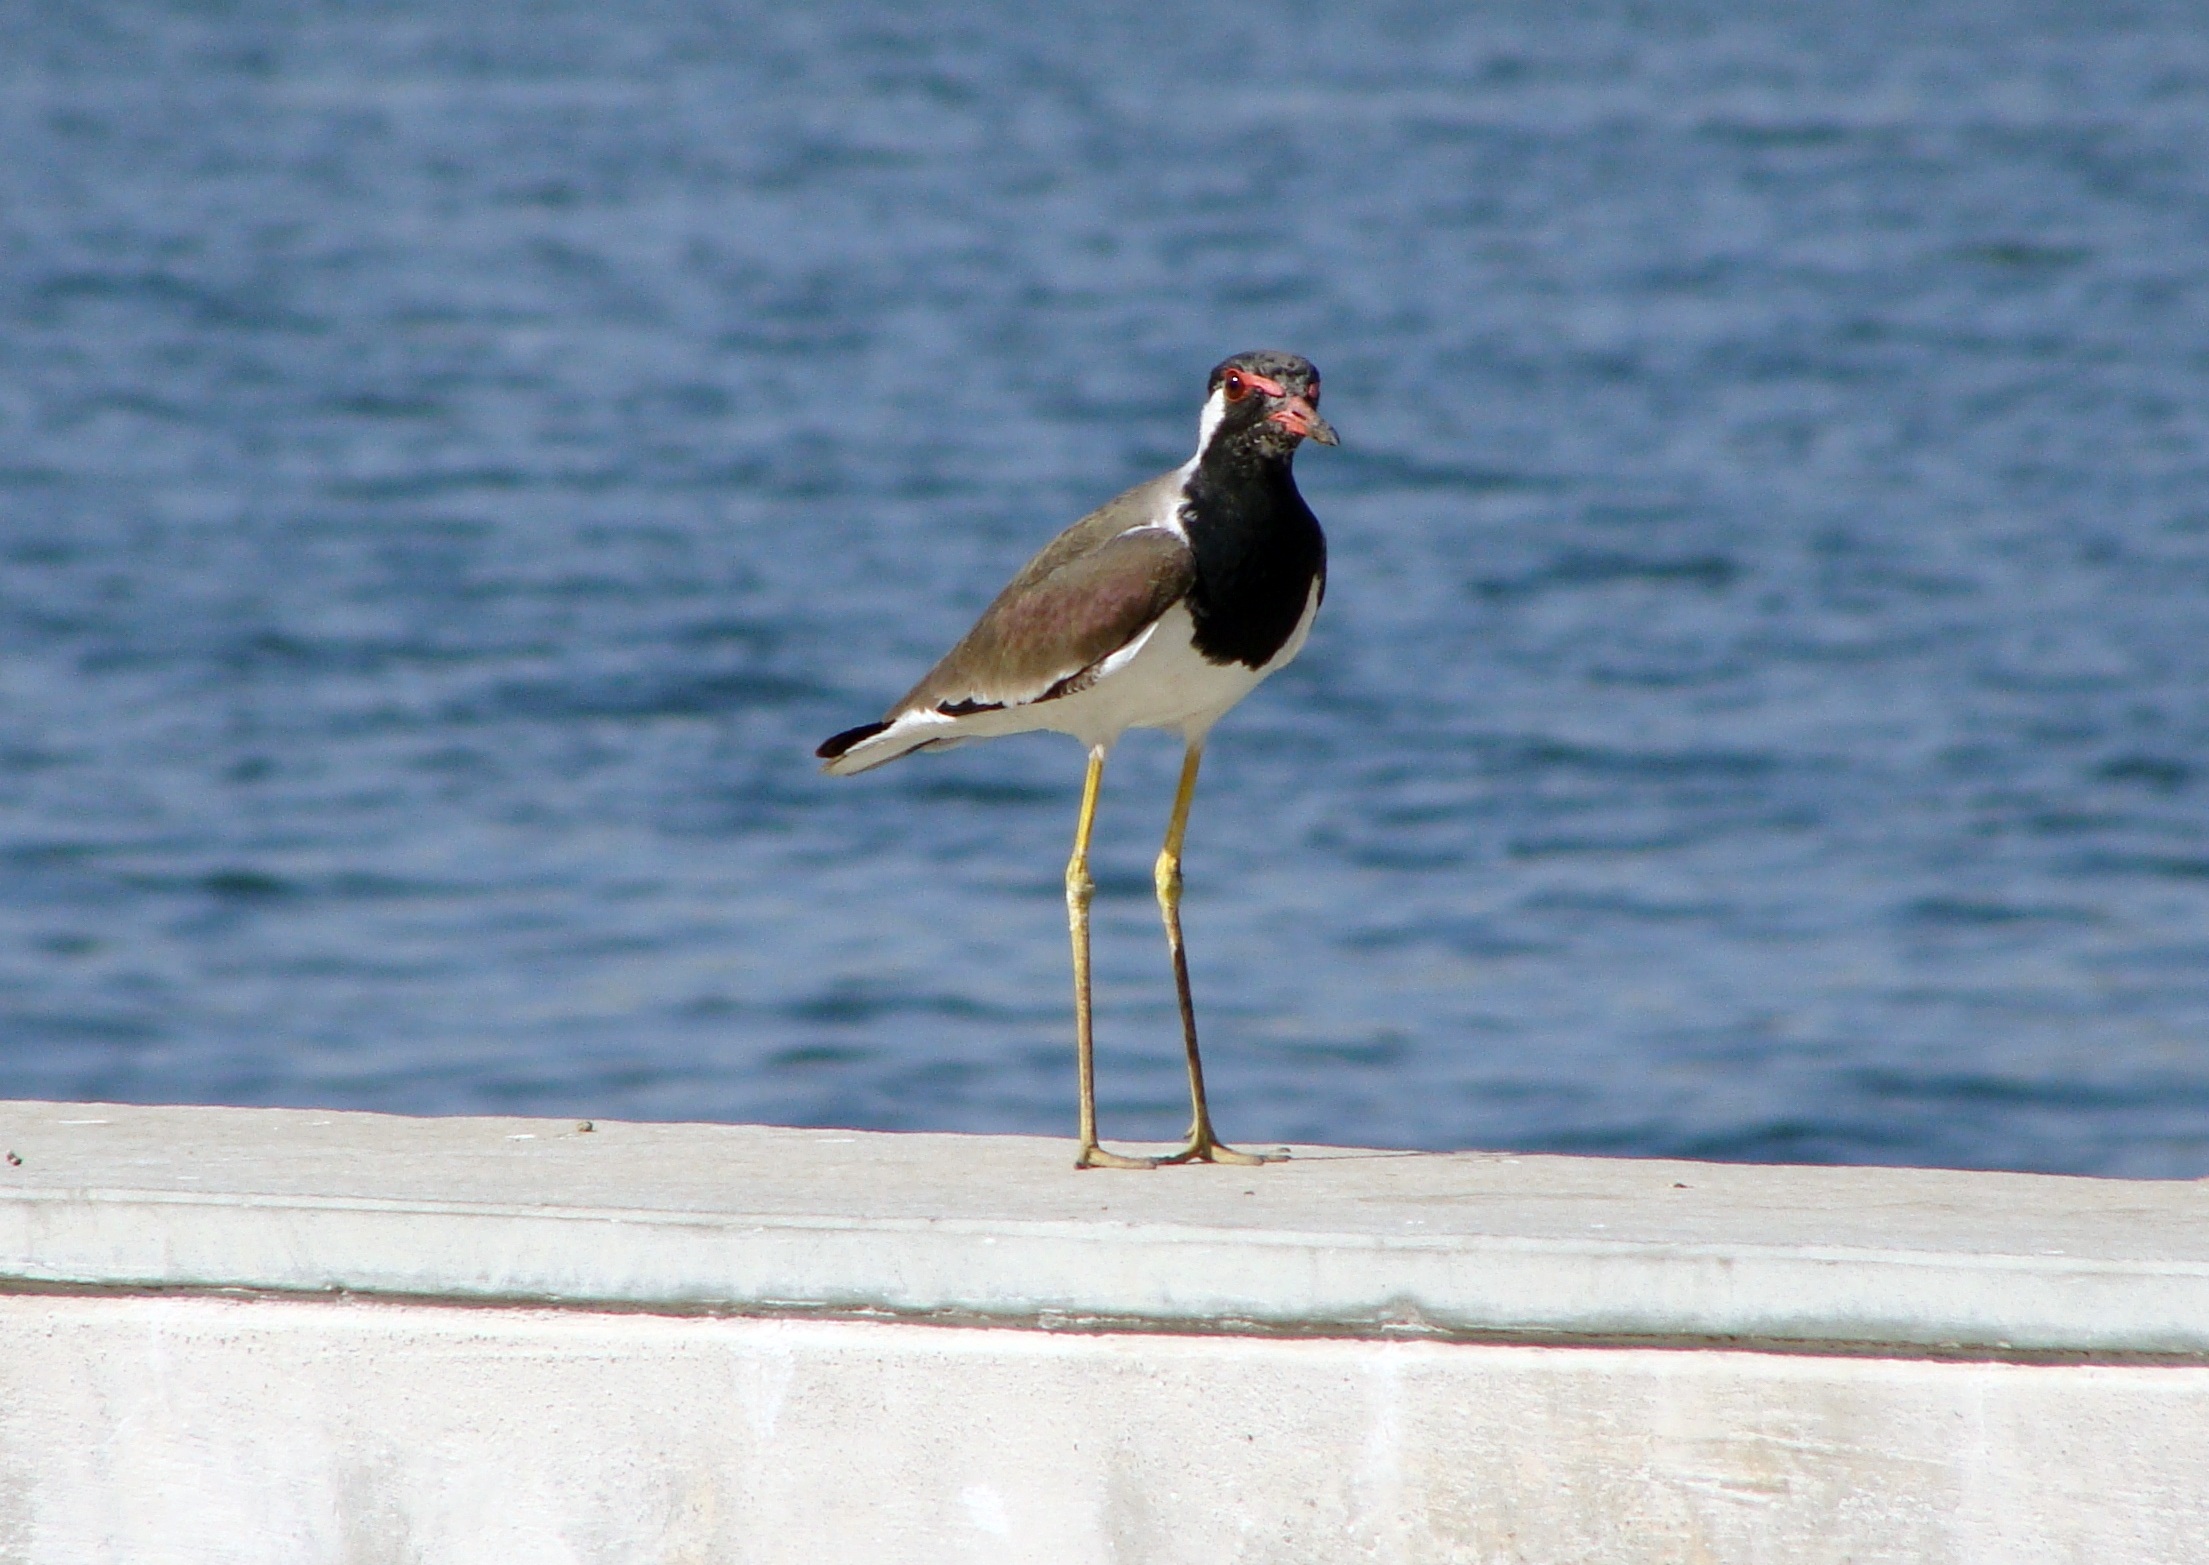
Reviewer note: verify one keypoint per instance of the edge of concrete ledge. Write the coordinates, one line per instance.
(1001, 1230)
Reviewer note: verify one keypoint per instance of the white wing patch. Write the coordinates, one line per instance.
(1115, 661)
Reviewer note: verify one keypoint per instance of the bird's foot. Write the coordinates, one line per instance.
(1094, 1156)
(1203, 1148)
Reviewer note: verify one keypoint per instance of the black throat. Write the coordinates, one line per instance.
(1259, 552)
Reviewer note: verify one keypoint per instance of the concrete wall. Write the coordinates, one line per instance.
(261, 1336)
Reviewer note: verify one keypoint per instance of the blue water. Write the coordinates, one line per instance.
(456, 460)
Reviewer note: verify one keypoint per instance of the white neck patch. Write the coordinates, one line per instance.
(1208, 423)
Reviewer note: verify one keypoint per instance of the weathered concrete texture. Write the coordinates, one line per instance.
(1255, 1400)
(178, 1431)
(1001, 1227)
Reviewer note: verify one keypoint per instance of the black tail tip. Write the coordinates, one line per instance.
(837, 744)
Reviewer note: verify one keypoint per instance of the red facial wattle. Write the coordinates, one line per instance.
(1238, 384)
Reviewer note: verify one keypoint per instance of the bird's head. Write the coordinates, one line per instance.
(1265, 402)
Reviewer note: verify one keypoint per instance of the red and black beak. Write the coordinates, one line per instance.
(1301, 419)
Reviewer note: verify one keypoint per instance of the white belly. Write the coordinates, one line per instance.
(1163, 682)
(1159, 681)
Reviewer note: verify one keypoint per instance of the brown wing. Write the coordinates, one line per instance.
(1078, 602)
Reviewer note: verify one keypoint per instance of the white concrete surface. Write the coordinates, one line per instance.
(246, 1336)
(1004, 1228)
(178, 1431)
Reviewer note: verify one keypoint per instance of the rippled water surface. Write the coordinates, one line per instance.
(456, 460)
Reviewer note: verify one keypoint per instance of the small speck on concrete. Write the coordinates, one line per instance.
(584, 1127)
(14, 1161)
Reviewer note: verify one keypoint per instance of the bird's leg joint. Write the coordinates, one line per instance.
(1167, 877)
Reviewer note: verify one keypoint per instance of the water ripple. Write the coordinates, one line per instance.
(455, 465)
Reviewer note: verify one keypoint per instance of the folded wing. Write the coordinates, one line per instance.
(1047, 633)
(1088, 596)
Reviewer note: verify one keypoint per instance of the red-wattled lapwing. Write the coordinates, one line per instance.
(1160, 609)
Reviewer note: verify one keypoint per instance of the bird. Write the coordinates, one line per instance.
(1160, 609)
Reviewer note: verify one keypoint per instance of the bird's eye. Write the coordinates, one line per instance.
(1233, 384)
(1311, 394)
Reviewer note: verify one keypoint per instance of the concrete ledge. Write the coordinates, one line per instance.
(518, 1341)
(1002, 1230)
(200, 1431)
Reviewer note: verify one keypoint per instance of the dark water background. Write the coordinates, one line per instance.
(456, 459)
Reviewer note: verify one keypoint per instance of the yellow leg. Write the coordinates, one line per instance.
(1202, 1146)
(1079, 890)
